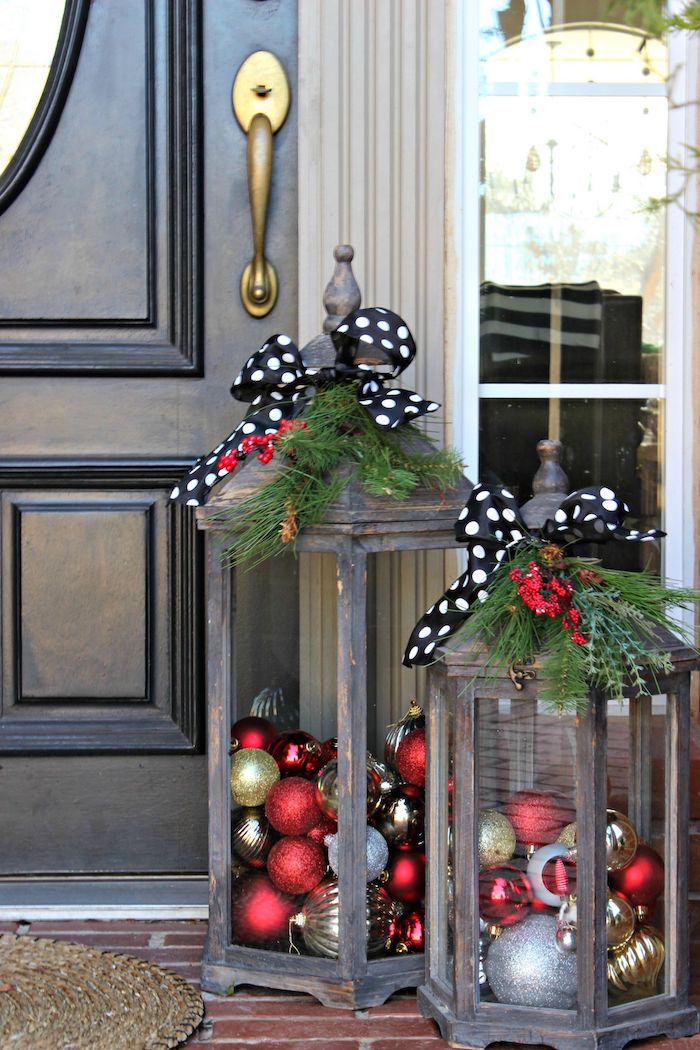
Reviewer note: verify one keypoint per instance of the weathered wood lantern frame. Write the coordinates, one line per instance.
(450, 995)
(355, 527)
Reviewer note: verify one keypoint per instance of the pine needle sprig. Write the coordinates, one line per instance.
(339, 433)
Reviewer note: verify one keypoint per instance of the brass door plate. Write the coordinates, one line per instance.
(261, 86)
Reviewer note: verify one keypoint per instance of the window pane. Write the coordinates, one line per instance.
(574, 124)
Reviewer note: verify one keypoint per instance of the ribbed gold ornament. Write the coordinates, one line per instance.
(319, 919)
(637, 964)
(251, 835)
(253, 772)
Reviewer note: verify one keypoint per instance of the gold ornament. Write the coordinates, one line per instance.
(251, 836)
(327, 788)
(253, 772)
(319, 919)
(567, 835)
(400, 818)
(619, 921)
(620, 840)
(637, 965)
(496, 838)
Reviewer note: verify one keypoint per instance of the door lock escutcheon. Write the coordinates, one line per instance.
(260, 100)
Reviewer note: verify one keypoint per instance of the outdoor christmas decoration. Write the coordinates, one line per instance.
(580, 937)
(354, 484)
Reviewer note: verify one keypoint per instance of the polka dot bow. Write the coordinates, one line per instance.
(370, 344)
(489, 524)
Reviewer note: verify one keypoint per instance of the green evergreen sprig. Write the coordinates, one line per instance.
(339, 433)
(620, 612)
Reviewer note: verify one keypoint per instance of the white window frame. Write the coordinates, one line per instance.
(676, 390)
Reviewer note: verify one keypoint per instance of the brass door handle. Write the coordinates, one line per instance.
(260, 102)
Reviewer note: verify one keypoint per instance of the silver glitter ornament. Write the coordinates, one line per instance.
(524, 966)
(377, 853)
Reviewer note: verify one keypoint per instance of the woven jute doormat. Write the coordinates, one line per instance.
(60, 996)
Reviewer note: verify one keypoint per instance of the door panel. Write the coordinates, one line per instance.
(121, 329)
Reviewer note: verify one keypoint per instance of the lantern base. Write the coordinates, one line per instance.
(317, 977)
(485, 1028)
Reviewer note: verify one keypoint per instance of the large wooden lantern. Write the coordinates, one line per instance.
(557, 908)
(337, 940)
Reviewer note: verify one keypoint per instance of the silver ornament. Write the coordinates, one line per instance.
(524, 966)
(377, 853)
(319, 920)
(484, 945)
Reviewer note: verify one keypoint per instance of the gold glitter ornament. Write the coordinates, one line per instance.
(637, 964)
(620, 840)
(620, 921)
(251, 836)
(567, 835)
(496, 838)
(253, 772)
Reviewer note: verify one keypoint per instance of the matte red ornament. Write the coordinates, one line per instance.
(326, 827)
(298, 754)
(504, 895)
(642, 880)
(260, 913)
(296, 865)
(291, 807)
(410, 757)
(409, 932)
(406, 880)
(252, 731)
(537, 816)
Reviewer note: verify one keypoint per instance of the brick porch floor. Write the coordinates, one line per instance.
(256, 1018)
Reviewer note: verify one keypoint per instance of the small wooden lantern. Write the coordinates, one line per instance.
(355, 527)
(557, 890)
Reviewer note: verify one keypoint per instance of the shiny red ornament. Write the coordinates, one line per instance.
(326, 827)
(537, 816)
(296, 865)
(329, 750)
(505, 895)
(291, 807)
(559, 876)
(260, 913)
(298, 754)
(642, 880)
(410, 757)
(406, 880)
(409, 932)
(252, 731)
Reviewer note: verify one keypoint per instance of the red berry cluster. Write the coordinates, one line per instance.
(549, 596)
(264, 442)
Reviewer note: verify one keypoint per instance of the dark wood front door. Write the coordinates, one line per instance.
(124, 229)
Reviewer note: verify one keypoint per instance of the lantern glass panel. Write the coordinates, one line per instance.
(526, 792)
(637, 742)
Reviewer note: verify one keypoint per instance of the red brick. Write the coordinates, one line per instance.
(318, 1028)
(106, 942)
(186, 937)
(280, 1043)
(239, 1006)
(399, 1043)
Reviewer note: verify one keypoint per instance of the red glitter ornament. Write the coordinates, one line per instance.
(252, 731)
(296, 864)
(410, 757)
(409, 932)
(642, 880)
(326, 827)
(504, 895)
(260, 913)
(406, 876)
(537, 816)
(291, 807)
(298, 754)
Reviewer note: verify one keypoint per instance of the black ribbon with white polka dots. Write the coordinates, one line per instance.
(371, 344)
(490, 524)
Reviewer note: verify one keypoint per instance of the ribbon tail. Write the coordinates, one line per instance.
(194, 489)
(390, 408)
